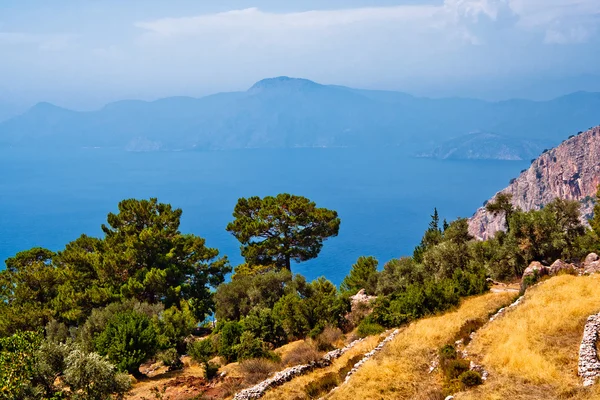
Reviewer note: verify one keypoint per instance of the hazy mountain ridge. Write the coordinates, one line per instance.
(569, 171)
(287, 112)
(486, 146)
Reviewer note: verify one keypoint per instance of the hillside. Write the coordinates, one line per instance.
(569, 171)
(530, 352)
(485, 146)
(287, 112)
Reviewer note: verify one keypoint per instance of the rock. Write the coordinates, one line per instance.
(559, 265)
(568, 171)
(589, 364)
(361, 298)
(449, 398)
(591, 258)
(534, 267)
(591, 264)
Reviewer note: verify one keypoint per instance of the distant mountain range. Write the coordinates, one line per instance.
(486, 146)
(288, 112)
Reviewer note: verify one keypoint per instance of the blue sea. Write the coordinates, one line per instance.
(384, 197)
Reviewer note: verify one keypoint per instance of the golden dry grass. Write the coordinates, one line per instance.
(532, 351)
(400, 371)
(294, 390)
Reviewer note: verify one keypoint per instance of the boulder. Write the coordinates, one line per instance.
(361, 298)
(559, 265)
(591, 265)
(533, 267)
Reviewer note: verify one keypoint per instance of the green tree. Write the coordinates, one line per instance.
(27, 287)
(502, 205)
(129, 339)
(154, 262)
(276, 230)
(363, 275)
(18, 359)
(432, 236)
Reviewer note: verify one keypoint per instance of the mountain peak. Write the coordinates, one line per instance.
(283, 82)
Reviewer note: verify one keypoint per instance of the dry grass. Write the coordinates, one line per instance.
(301, 353)
(295, 389)
(532, 351)
(400, 371)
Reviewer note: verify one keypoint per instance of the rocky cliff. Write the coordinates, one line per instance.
(569, 171)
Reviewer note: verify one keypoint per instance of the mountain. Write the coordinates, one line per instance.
(569, 171)
(9, 110)
(485, 146)
(288, 112)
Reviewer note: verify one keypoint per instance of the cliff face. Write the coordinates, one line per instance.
(570, 171)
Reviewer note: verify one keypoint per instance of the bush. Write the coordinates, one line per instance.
(92, 377)
(454, 368)
(201, 350)
(17, 363)
(448, 352)
(128, 340)
(175, 324)
(369, 328)
(468, 327)
(210, 370)
(251, 347)
(302, 354)
(326, 340)
(470, 378)
(257, 369)
(229, 337)
(323, 385)
(170, 358)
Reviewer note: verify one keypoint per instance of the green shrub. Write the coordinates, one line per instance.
(323, 385)
(175, 324)
(230, 334)
(470, 378)
(18, 360)
(251, 347)
(454, 368)
(447, 352)
(128, 340)
(468, 327)
(90, 376)
(369, 328)
(210, 370)
(201, 350)
(170, 358)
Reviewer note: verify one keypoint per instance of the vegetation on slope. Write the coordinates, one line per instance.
(532, 351)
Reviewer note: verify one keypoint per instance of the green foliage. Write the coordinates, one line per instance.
(18, 359)
(201, 350)
(230, 334)
(455, 368)
(170, 358)
(27, 287)
(251, 347)
(129, 339)
(276, 230)
(90, 376)
(174, 325)
(432, 236)
(369, 328)
(470, 378)
(363, 275)
(398, 274)
(502, 204)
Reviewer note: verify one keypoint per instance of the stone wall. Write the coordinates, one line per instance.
(589, 364)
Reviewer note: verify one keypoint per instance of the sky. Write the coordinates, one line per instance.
(82, 54)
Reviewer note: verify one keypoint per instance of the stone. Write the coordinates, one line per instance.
(591, 264)
(361, 298)
(559, 265)
(535, 266)
(589, 364)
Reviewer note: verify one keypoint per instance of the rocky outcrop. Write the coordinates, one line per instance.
(535, 268)
(591, 264)
(361, 298)
(589, 364)
(560, 266)
(570, 171)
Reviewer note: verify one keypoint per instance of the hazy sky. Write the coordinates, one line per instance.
(82, 53)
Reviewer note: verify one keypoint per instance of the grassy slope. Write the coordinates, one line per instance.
(400, 371)
(532, 351)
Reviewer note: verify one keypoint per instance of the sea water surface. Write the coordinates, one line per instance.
(384, 198)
